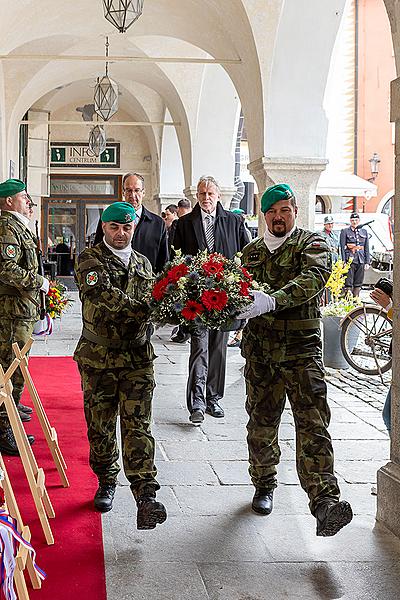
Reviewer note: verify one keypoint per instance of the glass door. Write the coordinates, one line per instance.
(61, 227)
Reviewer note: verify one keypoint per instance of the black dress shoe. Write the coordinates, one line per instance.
(197, 417)
(332, 516)
(215, 410)
(103, 499)
(25, 409)
(262, 501)
(8, 445)
(149, 512)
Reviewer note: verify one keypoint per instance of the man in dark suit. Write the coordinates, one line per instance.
(210, 227)
(354, 244)
(150, 235)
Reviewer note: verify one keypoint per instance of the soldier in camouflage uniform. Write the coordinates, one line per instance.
(20, 285)
(282, 347)
(115, 360)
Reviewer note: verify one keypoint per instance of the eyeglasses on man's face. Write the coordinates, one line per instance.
(130, 191)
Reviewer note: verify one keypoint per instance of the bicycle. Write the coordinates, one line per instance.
(365, 339)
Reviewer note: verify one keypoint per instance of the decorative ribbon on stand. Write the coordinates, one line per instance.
(9, 538)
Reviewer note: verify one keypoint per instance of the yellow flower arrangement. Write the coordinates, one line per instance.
(56, 300)
(339, 306)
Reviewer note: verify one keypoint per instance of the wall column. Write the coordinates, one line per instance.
(301, 174)
(388, 507)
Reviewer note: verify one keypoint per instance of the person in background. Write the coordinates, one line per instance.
(354, 245)
(208, 227)
(115, 360)
(331, 237)
(384, 299)
(150, 234)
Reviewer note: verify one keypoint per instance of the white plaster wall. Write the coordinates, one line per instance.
(171, 170)
(296, 124)
(216, 128)
(3, 158)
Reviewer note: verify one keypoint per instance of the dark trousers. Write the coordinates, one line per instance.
(207, 367)
(128, 391)
(303, 382)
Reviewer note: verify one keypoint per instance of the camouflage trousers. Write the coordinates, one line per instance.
(128, 391)
(12, 330)
(303, 382)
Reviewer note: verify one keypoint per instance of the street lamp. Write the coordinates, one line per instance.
(122, 13)
(374, 166)
(106, 94)
(97, 140)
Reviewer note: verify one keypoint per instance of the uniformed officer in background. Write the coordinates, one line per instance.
(330, 236)
(115, 360)
(282, 347)
(354, 245)
(20, 285)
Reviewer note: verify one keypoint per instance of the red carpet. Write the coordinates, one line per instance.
(75, 563)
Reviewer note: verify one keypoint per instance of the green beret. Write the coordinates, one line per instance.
(10, 187)
(237, 211)
(119, 212)
(280, 191)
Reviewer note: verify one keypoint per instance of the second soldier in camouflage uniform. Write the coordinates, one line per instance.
(20, 285)
(116, 364)
(282, 347)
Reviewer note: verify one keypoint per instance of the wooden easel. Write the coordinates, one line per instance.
(49, 432)
(23, 558)
(35, 476)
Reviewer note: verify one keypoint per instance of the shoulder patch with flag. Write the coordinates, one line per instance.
(92, 278)
(10, 251)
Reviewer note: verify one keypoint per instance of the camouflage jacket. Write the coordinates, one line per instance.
(114, 309)
(295, 275)
(19, 279)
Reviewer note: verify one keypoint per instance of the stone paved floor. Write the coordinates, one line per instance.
(212, 546)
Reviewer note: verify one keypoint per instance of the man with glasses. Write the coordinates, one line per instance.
(150, 234)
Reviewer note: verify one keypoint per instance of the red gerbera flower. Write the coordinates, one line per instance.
(244, 288)
(158, 292)
(247, 274)
(214, 267)
(214, 299)
(177, 272)
(191, 310)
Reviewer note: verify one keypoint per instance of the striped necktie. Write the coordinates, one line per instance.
(209, 232)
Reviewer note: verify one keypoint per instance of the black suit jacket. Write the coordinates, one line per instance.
(149, 238)
(229, 233)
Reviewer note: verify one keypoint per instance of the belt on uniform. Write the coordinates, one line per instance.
(295, 325)
(9, 290)
(107, 343)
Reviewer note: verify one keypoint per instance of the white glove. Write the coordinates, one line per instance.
(262, 303)
(366, 267)
(45, 285)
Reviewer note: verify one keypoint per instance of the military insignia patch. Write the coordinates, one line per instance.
(128, 218)
(92, 278)
(11, 251)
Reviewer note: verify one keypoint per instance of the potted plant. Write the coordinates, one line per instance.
(332, 314)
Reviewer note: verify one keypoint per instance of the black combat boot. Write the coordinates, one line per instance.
(262, 501)
(103, 499)
(25, 417)
(8, 445)
(25, 409)
(331, 516)
(149, 512)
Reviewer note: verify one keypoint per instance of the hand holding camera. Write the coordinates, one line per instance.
(382, 294)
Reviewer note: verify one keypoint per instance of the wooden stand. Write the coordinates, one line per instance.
(23, 558)
(49, 432)
(35, 476)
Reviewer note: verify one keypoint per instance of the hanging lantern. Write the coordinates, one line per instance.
(106, 94)
(97, 140)
(122, 13)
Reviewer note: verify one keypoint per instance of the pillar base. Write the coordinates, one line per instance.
(388, 505)
(163, 200)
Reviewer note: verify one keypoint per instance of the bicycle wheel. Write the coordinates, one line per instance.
(365, 340)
